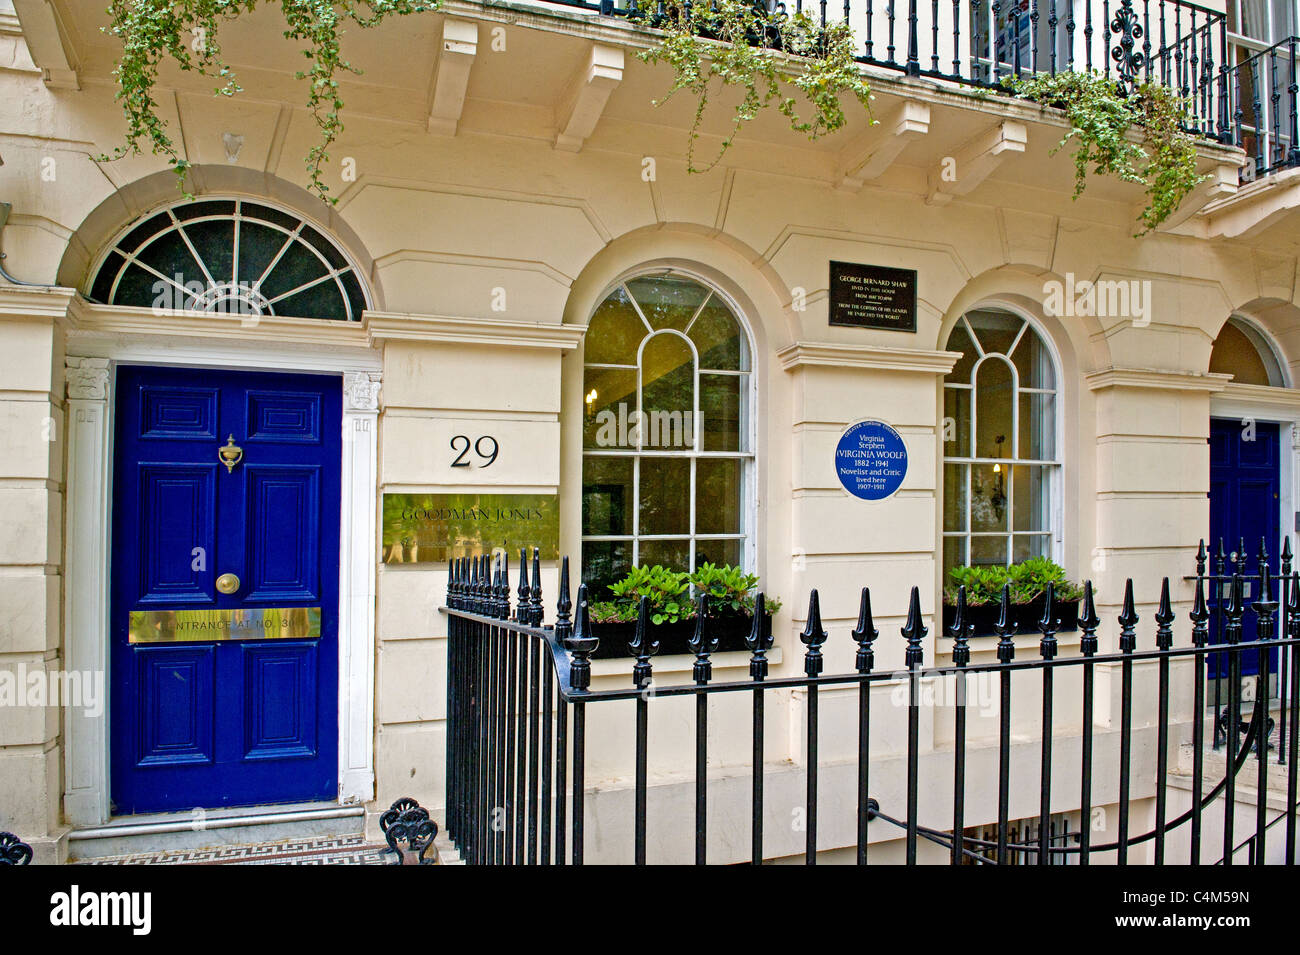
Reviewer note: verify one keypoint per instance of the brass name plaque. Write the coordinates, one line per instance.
(433, 528)
(201, 626)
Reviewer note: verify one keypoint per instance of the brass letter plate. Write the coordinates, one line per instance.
(203, 626)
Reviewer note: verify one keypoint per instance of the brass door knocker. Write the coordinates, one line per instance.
(231, 454)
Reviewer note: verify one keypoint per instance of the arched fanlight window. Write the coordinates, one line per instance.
(1242, 351)
(667, 446)
(230, 256)
(1001, 469)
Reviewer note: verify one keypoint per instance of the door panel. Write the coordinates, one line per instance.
(176, 517)
(212, 704)
(282, 534)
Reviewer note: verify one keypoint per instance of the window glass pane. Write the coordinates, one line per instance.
(298, 266)
(995, 329)
(325, 298)
(607, 496)
(954, 555)
(718, 338)
(665, 495)
(718, 552)
(988, 509)
(1030, 545)
(956, 425)
(99, 292)
(667, 301)
(214, 240)
(1033, 362)
(615, 332)
(954, 497)
(1032, 499)
(609, 400)
(960, 341)
(138, 287)
(667, 393)
(258, 245)
(672, 554)
(170, 256)
(993, 405)
(604, 563)
(1037, 426)
(988, 550)
(721, 405)
(717, 496)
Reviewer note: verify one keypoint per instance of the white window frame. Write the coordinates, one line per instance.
(1053, 468)
(748, 432)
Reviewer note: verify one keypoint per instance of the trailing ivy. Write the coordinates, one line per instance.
(732, 43)
(1101, 115)
(187, 31)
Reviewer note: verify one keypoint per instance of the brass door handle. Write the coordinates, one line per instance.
(227, 584)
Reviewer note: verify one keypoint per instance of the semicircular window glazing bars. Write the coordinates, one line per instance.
(229, 256)
(667, 447)
(1001, 471)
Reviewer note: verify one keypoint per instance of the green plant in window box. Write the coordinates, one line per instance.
(1027, 581)
(672, 596)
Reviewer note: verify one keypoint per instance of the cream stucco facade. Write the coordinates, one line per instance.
(498, 195)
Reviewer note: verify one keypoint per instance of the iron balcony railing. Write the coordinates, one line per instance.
(519, 698)
(1246, 101)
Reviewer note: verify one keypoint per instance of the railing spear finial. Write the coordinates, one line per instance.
(1200, 616)
(1164, 617)
(1088, 622)
(522, 613)
(535, 601)
(914, 630)
(579, 641)
(1128, 620)
(701, 644)
(961, 630)
(1004, 627)
(1265, 605)
(505, 584)
(643, 645)
(813, 637)
(563, 627)
(759, 640)
(1047, 625)
(865, 633)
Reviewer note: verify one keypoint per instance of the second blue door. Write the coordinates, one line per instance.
(1244, 507)
(224, 623)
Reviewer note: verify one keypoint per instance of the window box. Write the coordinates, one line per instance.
(1024, 616)
(673, 637)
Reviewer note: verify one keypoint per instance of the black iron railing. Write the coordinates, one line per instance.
(519, 695)
(1247, 101)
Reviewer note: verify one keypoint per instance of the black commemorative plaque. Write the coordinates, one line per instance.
(873, 296)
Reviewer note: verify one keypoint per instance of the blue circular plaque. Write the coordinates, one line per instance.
(871, 460)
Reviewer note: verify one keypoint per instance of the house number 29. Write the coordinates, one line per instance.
(461, 444)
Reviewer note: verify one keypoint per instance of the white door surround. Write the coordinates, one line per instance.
(99, 339)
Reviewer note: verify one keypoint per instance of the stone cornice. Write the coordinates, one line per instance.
(877, 357)
(1261, 394)
(124, 321)
(1156, 378)
(382, 326)
(35, 301)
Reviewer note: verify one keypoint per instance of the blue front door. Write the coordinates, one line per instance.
(224, 620)
(1244, 506)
